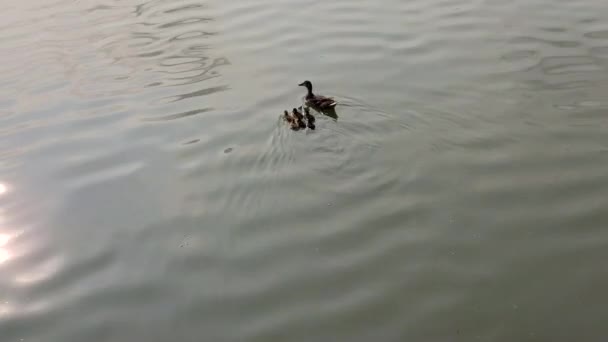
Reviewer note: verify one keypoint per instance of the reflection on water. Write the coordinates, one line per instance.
(331, 112)
(5, 238)
(4, 254)
(149, 193)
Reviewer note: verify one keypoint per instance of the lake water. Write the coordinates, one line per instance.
(150, 192)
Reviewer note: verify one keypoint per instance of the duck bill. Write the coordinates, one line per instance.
(301, 84)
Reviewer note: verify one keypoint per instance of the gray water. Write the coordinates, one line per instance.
(150, 192)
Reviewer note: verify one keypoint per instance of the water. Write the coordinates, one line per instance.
(149, 191)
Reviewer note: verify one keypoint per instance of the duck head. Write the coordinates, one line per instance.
(308, 86)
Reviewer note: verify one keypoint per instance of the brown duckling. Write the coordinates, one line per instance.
(286, 117)
(310, 119)
(317, 101)
(299, 118)
(291, 121)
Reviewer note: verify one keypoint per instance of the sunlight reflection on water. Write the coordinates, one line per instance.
(5, 255)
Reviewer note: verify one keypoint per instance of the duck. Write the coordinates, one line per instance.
(317, 101)
(299, 118)
(291, 121)
(309, 118)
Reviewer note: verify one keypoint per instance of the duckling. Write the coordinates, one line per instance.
(299, 118)
(317, 101)
(291, 121)
(309, 118)
(297, 114)
(286, 117)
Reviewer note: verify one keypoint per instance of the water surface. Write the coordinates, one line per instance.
(149, 191)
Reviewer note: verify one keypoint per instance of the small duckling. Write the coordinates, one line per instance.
(286, 117)
(291, 121)
(299, 118)
(297, 114)
(309, 118)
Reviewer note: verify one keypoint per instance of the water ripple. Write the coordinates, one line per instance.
(150, 190)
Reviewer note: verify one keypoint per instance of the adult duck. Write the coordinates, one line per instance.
(317, 101)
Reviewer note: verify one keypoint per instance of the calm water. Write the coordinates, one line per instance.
(149, 192)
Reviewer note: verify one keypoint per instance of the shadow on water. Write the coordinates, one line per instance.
(331, 112)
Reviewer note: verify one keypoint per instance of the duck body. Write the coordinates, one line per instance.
(317, 101)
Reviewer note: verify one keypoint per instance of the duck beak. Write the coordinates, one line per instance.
(301, 84)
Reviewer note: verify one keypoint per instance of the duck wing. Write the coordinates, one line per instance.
(323, 102)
